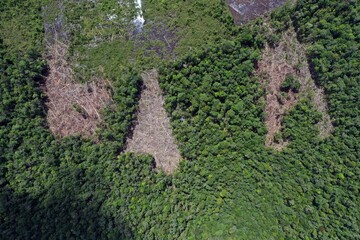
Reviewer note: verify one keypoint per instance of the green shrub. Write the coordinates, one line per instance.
(290, 83)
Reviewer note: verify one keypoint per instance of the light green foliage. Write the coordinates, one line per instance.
(21, 26)
(195, 22)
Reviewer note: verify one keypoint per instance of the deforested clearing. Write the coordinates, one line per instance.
(288, 60)
(72, 108)
(152, 133)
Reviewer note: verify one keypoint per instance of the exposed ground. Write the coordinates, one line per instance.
(152, 133)
(288, 57)
(72, 108)
(157, 38)
(246, 10)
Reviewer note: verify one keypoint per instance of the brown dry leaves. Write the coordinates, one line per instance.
(288, 58)
(152, 133)
(73, 108)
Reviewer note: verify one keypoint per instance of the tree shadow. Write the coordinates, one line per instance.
(63, 212)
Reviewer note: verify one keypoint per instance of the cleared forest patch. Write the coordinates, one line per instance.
(152, 133)
(284, 72)
(72, 108)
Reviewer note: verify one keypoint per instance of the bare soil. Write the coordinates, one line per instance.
(72, 108)
(288, 58)
(246, 10)
(158, 38)
(152, 133)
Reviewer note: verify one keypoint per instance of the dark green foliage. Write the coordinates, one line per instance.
(332, 29)
(300, 123)
(280, 19)
(119, 116)
(207, 92)
(290, 83)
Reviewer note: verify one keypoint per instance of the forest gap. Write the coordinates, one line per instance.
(152, 133)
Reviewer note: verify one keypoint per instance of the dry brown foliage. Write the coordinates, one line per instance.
(73, 108)
(152, 133)
(288, 58)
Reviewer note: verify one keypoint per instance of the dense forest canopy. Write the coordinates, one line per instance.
(228, 185)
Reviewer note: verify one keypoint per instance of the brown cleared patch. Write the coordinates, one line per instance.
(73, 108)
(325, 125)
(288, 58)
(152, 133)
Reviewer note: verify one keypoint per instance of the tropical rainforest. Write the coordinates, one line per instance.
(229, 184)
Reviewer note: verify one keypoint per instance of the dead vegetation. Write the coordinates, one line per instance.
(72, 108)
(152, 133)
(288, 58)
